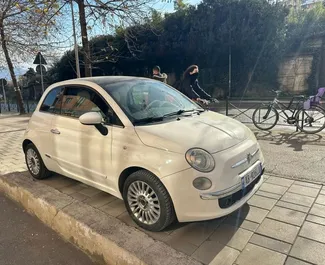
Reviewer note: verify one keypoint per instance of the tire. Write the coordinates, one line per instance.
(148, 202)
(310, 129)
(266, 112)
(35, 163)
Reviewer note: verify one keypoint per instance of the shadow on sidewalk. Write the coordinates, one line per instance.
(294, 140)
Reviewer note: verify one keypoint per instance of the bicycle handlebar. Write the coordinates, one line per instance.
(278, 92)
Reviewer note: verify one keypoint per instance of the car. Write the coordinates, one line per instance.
(146, 143)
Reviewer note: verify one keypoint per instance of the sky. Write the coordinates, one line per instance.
(164, 6)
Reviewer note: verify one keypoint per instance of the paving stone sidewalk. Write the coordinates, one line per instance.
(283, 224)
(11, 134)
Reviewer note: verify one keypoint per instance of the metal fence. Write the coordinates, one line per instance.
(12, 107)
(239, 109)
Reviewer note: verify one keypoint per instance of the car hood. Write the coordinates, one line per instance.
(209, 130)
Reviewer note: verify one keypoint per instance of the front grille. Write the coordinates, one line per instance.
(229, 200)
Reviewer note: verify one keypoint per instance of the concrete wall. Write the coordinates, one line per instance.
(295, 69)
(294, 73)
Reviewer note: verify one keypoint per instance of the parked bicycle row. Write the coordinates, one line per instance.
(304, 112)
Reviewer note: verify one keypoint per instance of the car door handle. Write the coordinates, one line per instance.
(55, 131)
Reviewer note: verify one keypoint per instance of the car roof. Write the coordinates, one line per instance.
(101, 80)
(108, 79)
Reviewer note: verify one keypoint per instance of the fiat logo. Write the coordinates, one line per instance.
(249, 158)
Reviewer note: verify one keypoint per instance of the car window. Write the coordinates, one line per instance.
(52, 101)
(77, 101)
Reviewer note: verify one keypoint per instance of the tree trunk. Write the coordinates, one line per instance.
(11, 70)
(84, 36)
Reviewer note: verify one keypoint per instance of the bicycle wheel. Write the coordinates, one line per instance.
(265, 117)
(311, 120)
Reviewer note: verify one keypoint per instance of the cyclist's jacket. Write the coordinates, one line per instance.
(191, 88)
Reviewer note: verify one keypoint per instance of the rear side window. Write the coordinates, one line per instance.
(53, 100)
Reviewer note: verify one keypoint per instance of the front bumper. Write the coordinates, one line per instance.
(232, 190)
(226, 194)
(189, 205)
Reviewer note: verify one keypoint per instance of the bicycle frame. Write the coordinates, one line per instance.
(278, 104)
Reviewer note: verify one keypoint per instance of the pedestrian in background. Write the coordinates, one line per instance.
(157, 75)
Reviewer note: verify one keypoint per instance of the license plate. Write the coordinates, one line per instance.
(251, 175)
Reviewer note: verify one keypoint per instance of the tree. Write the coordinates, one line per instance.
(108, 13)
(21, 26)
(201, 35)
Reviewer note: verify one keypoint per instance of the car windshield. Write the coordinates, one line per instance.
(146, 101)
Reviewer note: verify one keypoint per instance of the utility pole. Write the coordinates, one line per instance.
(76, 52)
(3, 90)
(229, 59)
(40, 65)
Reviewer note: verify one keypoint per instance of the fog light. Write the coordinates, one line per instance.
(202, 183)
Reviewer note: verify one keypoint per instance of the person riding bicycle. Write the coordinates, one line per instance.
(190, 86)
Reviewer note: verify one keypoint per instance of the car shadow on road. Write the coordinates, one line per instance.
(295, 140)
(206, 239)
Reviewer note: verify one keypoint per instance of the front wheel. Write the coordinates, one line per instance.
(311, 120)
(148, 202)
(265, 117)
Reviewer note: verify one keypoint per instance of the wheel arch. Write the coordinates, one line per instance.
(130, 170)
(126, 173)
(25, 143)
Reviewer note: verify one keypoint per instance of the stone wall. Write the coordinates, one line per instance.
(297, 68)
(294, 73)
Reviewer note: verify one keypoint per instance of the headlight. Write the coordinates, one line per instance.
(200, 160)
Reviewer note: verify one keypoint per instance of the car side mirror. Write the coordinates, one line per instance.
(91, 118)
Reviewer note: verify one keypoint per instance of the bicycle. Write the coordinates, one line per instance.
(302, 115)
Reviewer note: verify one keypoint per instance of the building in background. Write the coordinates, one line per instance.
(307, 4)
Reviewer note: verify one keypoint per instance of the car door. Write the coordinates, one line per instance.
(40, 124)
(82, 151)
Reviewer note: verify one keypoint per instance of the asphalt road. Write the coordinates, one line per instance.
(24, 240)
(294, 155)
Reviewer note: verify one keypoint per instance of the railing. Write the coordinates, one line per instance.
(12, 107)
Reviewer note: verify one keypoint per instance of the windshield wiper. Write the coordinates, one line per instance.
(148, 120)
(179, 112)
(161, 118)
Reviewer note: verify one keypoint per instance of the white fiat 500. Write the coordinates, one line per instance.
(144, 142)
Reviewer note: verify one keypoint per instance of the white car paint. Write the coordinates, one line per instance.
(80, 152)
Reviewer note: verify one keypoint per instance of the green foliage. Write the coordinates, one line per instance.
(303, 24)
(259, 32)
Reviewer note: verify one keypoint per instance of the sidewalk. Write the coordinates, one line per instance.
(283, 224)
(11, 134)
(284, 221)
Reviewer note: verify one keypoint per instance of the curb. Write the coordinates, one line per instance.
(104, 238)
(295, 179)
